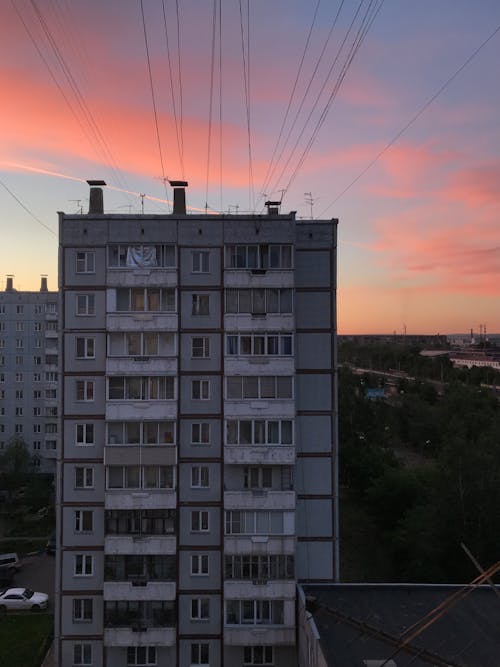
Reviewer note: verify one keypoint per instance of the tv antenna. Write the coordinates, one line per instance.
(78, 203)
(310, 201)
(142, 202)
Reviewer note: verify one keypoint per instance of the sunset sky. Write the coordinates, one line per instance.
(419, 231)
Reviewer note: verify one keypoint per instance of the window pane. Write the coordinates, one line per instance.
(284, 387)
(267, 386)
(250, 386)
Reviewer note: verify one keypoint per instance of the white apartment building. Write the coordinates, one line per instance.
(197, 474)
(29, 360)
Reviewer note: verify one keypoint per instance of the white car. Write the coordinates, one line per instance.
(23, 598)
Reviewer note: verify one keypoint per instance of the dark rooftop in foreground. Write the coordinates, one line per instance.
(361, 624)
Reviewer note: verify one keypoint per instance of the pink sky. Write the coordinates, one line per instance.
(418, 239)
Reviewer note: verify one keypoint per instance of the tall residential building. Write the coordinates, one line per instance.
(197, 476)
(29, 371)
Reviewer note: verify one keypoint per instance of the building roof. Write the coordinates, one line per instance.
(361, 623)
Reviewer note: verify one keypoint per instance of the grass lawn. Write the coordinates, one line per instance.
(25, 638)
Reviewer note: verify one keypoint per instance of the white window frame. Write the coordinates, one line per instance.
(84, 427)
(200, 261)
(198, 432)
(85, 304)
(82, 654)
(200, 390)
(80, 517)
(200, 347)
(83, 610)
(200, 477)
(200, 654)
(200, 609)
(199, 565)
(135, 660)
(87, 343)
(200, 521)
(85, 261)
(83, 565)
(88, 391)
(200, 305)
(251, 657)
(87, 477)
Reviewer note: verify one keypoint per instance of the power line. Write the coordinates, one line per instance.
(180, 78)
(27, 209)
(413, 119)
(246, 84)
(174, 106)
(210, 105)
(153, 94)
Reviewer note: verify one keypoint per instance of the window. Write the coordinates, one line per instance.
(85, 348)
(254, 522)
(145, 522)
(259, 301)
(82, 610)
(200, 261)
(37, 428)
(146, 299)
(19, 310)
(37, 377)
(199, 564)
(200, 433)
(137, 256)
(200, 655)
(258, 655)
(200, 609)
(37, 412)
(18, 428)
(257, 477)
(19, 394)
(200, 477)
(199, 521)
(259, 257)
(19, 343)
(259, 386)
(255, 612)
(2, 377)
(84, 521)
(38, 310)
(82, 654)
(85, 262)
(85, 304)
(19, 326)
(84, 390)
(141, 655)
(84, 478)
(135, 433)
(145, 344)
(259, 432)
(20, 360)
(83, 565)
(200, 304)
(37, 444)
(139, 477)
(50, 394)
(51, 444)
(85, 434)
(50, 376)
(19, 412)
(137, 388)
(200, 347)
(259, 344)
(37, 326)
(37, 395)
(261, 567)
(200, 390)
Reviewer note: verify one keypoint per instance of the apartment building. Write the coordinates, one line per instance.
(197, 475)
(29, 371)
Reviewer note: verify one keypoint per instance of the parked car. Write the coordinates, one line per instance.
(50, 547)
(10, 563)
(23, 598)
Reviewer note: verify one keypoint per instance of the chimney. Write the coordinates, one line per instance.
(96, 202)
(273, 207)
(179, 196)
(43, 284)
(10, 284)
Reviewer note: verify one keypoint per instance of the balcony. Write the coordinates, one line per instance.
(267, 499)
(259, 635)
(254, 454)
(139, 589)
(140, 635)
(140, 545)
(140, 364)
(141, 321)
(259, 544)
(159, 410)
(250, 590)
(136, 500)
(258, 278)
(259, 364)
(137, 277)
(269, 321)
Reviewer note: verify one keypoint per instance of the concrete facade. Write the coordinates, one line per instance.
(29, 365)
(198, 465)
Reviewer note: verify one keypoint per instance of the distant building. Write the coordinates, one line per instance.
(199, 459)
(477, 358)
(29, 362)
(366, 625)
